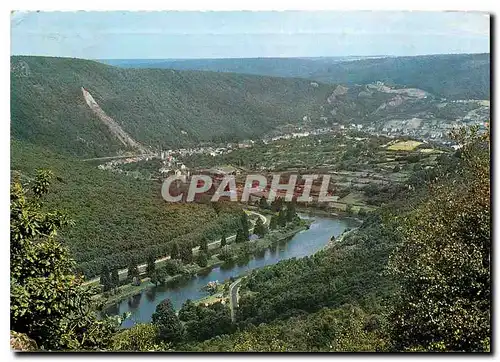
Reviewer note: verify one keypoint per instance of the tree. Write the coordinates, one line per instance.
(291, 214)
(223, 241)
(48, 302)
(273, 224)
(150, 269)
(225, 254)
(158, 276)
(245, 226)
(188, 311)
(263, 203)
(206, 322)
(443, 263)
(282, 217)
(260, 229)
(139, 338)
(169, 326)
(105, 279)
(174, 252)
(133, 272)
(277, 204)
(173, 267)
(186, 254)
(202, 259)
(240, 236)
(204, 244)
(115, 278)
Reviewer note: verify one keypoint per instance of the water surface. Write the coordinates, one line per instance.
(305, 243)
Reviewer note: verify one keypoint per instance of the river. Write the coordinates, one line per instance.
(307, 242)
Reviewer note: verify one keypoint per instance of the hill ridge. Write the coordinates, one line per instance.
(156, 108)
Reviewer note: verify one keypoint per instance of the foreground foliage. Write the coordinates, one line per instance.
(345, 329)
(443, 265)
(47, 301)
(139, 338)
(169, 326)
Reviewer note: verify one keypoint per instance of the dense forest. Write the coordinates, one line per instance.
(118, 218)
(157, 107)
(454, 76)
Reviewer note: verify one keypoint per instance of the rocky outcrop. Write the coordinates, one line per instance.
(21, 342)
(340, 90)
(393, 102)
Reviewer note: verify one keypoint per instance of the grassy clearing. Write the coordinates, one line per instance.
(353, 198)
(404, 146)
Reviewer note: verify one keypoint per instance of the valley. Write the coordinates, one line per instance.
(85, 122)
(406, 159)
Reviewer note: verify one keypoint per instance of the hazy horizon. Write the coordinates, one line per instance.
(273, 57)
(263, 57)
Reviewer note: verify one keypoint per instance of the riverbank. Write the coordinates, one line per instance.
(128, 290)
(240, 252)
(332, 242)
(122, 273)
(271, 239)
(331, 214)
(294, 242)
(268, 241)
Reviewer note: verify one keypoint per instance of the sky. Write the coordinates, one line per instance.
(240, 34)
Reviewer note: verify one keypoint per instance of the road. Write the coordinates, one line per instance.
(142, 267)
(233, 297)
(119, 157)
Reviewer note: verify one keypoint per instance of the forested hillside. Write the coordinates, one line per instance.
(117, 218)
(415, 276)
(454, 76)
(170, 109)
(157, 107)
